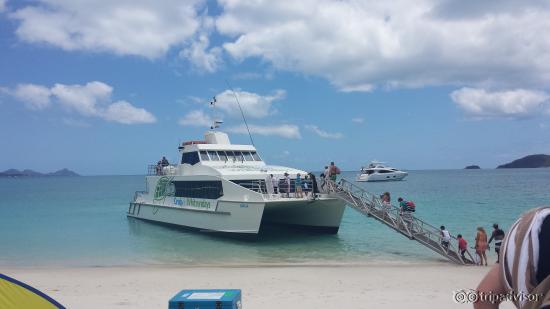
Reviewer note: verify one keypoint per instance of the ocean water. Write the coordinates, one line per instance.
(81, 221)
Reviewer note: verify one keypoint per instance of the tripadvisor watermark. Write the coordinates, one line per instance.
(467, 296)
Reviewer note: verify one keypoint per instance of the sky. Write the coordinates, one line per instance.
(107, 87)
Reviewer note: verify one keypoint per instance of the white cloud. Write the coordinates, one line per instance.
(2, 5)
(92, 100)
(323, 134)
(358, 120)
(34, 97)
(284, 130)
(127, 27)
(196, 118)
(510, 103)
(395, 43)
(202, 58)
(83, 99)
(253, 105)
(126, 113)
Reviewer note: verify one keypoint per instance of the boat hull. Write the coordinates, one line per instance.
(381, 177)
(320, 215)
(229, 217)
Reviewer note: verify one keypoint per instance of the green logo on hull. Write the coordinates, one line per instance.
(164, 188)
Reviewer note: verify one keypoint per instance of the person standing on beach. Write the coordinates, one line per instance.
(445, 237)
(498, 236)
(481, 245)
(275, 183)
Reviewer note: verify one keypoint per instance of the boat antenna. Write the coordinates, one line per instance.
(242, 113)
(215, 122)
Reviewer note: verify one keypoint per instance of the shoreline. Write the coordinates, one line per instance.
(263, 286)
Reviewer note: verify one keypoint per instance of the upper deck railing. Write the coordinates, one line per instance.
(161, 170)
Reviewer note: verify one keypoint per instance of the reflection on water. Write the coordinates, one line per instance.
(275, 244)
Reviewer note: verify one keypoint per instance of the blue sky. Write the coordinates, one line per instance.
(107, 88)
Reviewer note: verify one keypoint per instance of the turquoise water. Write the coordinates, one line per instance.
(81, 222)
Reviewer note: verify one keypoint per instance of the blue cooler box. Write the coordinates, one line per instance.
(206, 299)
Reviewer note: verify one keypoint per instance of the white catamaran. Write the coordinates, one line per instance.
(222, 187)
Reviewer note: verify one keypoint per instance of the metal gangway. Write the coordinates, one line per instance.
(402, 222)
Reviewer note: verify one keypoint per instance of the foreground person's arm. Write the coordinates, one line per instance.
(491, 283)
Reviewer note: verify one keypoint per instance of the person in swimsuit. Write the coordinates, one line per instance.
(498, 236)
(481, 245)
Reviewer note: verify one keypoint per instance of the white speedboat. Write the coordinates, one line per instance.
(222, 187)
(377, 171)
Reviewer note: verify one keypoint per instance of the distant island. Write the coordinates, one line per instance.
(30, 173)
(472, 167)
(532, 161)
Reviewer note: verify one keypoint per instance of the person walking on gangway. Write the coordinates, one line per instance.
(445, 238)
(407, 208)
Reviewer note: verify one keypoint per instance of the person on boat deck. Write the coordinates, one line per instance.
(287, 184)
(445, 237)
(305, 185)
(314, 187)
(498, 236)
(298, 186)
(324, 176)
(158, 168)
(164, 162)
(333, 171)
(481, 245)
(462, 245)
(275, 183)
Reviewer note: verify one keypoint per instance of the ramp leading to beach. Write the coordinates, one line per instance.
(404, 223)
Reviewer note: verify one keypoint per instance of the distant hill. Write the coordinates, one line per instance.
(472, 167)
(532, 161)
(30, 173)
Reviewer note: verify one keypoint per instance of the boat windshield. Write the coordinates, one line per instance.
(247, 156)
(204, 156)
(256, 156)
(213, 155)
(222, 155)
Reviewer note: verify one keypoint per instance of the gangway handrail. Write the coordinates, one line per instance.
(391, 215)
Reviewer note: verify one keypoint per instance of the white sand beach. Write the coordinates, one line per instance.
(276, 286)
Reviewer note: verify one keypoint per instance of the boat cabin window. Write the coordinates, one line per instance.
(207, 189)
(247, 156)
(190, 158)
(204, 156)
(256, 156)
(238, 156)
(213, 155)
(222, 155)
(230, 156)
(384, 171)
